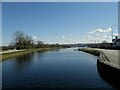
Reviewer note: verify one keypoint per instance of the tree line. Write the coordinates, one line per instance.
(24, 41)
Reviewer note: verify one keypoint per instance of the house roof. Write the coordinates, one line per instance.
(116, 40)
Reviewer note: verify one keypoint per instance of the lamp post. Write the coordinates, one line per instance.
(112, 31)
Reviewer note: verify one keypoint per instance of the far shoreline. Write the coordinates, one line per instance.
(8, 55)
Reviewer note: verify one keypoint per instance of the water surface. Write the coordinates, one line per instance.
(63, 68)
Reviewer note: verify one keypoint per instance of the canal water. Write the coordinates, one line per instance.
(64, 68)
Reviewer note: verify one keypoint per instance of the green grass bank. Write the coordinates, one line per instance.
(14, 54)
(91, 51)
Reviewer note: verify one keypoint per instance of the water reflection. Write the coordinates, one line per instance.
(26, 58)
(24, 61)
(109, 75)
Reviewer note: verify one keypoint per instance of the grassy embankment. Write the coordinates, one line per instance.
(91, 51)
(14, 54)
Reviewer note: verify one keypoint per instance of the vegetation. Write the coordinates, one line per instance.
(14, 54)
(27, 44)
(23, 41)
(91, 51)
(105, 44)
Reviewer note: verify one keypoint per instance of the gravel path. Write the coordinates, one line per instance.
(9, 51)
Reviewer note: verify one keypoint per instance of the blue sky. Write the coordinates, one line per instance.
(0, 24)
(59, 22)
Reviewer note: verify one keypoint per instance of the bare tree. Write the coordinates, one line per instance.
(24, 41)
(19, 38)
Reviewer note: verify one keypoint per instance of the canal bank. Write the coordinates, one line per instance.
(11, 54)
(91, 51)
(107, 62)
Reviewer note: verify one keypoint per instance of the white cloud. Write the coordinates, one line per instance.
(101, 30)
(67, 40)
(34, 38)
(97, 30)
(107, 38)
(108, 30)
(95, 38)
(89, 37)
